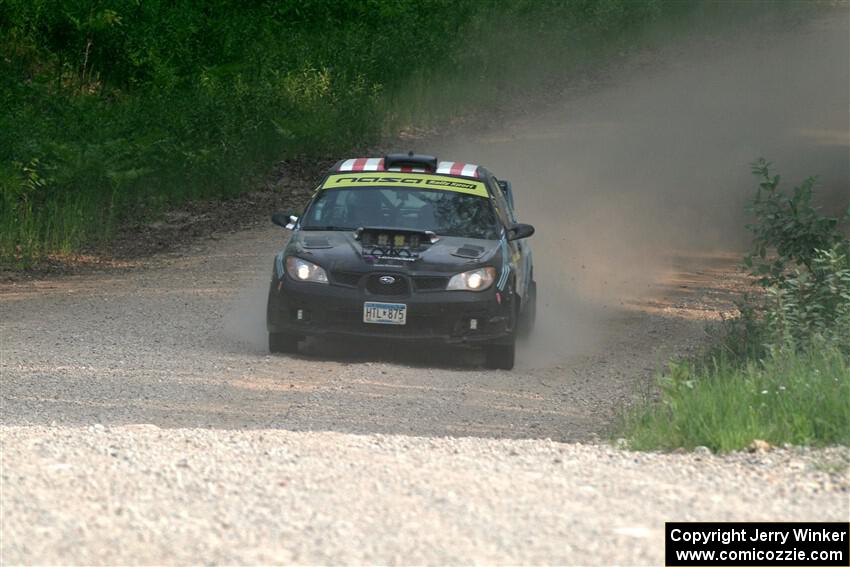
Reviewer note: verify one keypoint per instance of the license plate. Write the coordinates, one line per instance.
(385, 313)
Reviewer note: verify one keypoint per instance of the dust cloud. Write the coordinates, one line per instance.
(654, 161)
(649, 161)
(245, 324)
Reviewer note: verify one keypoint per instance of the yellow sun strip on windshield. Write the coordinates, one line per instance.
(411, 180)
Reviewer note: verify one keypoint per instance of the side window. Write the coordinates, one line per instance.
(505, 213)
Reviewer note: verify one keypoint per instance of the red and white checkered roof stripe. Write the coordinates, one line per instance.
(362, 164)
(457, 168)
(377, 164)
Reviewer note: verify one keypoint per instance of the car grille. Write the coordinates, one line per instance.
(346, 278)
(398, 287)
(429, 283)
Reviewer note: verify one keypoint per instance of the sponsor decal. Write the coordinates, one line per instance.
(389, 253)
(278, 264)
(506, 265)
(423, 180)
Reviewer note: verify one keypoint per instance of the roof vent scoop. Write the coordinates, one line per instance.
(410, 160)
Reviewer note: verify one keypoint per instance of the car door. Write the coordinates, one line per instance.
(518, 250)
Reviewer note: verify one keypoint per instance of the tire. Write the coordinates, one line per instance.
(500, 356)
(283, 343)
(529, 314)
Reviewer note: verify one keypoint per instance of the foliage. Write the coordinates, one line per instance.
(812, 307)
(802, 258)
(788, 228)
(798, 397)
(115, 108)
(780, 371)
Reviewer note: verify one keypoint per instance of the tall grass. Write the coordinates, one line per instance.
(799, 398)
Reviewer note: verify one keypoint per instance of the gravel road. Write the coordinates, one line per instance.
(143, 421)
(138, 494)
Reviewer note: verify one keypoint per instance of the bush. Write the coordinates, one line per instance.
(789, 228)
(811, 307)
(802, 259)
(780, 371)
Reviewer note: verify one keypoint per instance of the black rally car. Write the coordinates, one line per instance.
(405, 247)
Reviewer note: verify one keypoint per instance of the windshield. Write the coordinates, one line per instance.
(446, 213)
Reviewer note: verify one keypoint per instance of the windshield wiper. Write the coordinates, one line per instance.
(326, 228)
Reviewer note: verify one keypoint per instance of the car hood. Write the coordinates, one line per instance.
(340, 250)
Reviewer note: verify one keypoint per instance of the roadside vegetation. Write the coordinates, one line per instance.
(121, 109)
(117, 108)
(780, 372)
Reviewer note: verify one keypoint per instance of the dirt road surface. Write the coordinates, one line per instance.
(143, 421)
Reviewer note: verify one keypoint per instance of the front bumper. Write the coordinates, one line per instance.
(311, 309)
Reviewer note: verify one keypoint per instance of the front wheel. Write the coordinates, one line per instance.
(500, 356)
(283, 343)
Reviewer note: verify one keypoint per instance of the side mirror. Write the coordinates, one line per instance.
(517, 231)
(286, 220)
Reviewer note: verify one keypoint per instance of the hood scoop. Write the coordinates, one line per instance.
(469, 251)
(316, 242)
(393, 246)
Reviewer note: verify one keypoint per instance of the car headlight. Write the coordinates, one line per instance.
(304, 271)
(473, 280)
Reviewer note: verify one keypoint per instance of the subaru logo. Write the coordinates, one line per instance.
(387, 280)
